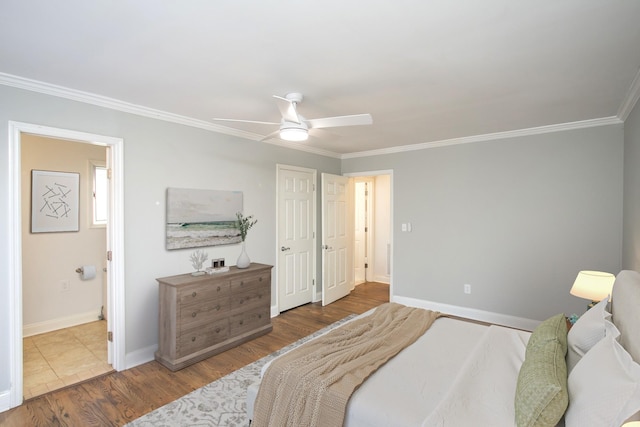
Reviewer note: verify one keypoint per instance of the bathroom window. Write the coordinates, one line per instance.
(100, 194)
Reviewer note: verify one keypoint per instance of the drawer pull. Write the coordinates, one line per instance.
(260, 279)
(193, 339)
(194, 314)
(241, 300)
(218, 288)
(241, 322)
(259, 316)
(218, 307)
(242, 283)
(194, 294)
(217, 330)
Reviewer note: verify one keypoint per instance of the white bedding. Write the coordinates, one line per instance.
(405, 390)
(416, 382)
(483, 392)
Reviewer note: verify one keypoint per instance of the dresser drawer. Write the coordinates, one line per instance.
(249, 320)
(250, 298)
(204, 290)
(195, 339)
(202, 312)
(250, 282)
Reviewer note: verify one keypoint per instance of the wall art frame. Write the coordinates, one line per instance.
(198, 218)
(55, 199)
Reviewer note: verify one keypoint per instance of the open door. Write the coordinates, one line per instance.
(337, 237)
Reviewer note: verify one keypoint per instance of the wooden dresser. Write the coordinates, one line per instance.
(205, 315)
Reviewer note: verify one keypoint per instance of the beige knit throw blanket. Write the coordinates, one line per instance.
(311, 385)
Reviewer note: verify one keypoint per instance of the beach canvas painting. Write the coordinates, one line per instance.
(197, 218)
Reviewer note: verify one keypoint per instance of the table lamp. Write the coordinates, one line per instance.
(593, 285)
(633, 421)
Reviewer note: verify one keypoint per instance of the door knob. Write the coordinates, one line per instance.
(284, 249)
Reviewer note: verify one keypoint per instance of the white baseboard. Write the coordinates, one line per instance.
(471, 313)
(382, 279)
(139, 357)
(60, 323)
(5, 400)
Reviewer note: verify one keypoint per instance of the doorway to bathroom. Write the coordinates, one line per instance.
(66, 285)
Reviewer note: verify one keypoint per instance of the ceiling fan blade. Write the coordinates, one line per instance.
(330, 122)
(272, 135)
(246, 121)
(287, 109)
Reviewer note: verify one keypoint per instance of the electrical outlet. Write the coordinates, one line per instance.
(467, 288)
(65, 286)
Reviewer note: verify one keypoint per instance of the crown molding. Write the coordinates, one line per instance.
(102, 101)
(139, 110)
(115, 104)
(488, 137)
(631, 98)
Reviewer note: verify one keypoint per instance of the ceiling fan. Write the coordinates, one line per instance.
(294, 127)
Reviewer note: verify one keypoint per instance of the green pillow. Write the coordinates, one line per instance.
(541, 392)
(554, 328)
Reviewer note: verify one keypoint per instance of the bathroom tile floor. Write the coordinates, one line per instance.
(60, 358)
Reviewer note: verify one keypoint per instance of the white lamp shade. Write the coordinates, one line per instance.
(593, 285)
(633, 421)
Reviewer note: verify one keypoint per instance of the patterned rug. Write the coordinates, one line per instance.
(222, 402)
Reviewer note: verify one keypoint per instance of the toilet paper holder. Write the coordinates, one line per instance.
(87, 272)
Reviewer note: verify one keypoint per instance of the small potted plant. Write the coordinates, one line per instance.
(244, 224)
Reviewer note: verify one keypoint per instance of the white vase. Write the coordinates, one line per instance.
(243, 259)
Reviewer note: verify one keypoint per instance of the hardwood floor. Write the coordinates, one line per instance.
(120, 397)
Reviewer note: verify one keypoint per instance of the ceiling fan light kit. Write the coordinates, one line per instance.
(294, 127)
(295, 134)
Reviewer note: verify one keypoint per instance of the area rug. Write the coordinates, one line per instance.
(222, 402)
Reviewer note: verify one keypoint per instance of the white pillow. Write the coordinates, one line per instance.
(588, 330)
(604, 387)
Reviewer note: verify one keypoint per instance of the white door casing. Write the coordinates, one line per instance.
(337, 237)
(115, 245)
(363, 229)
(296, 236)
(359, 234)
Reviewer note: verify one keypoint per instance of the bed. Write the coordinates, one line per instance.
(461, 373)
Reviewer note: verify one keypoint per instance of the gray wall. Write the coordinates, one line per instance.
(515, 218)
(631, 240)
(157, 155)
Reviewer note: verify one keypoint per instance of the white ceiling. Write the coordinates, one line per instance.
(427, 70)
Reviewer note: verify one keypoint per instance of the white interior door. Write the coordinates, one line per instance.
(296, 236)
(337, 237)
